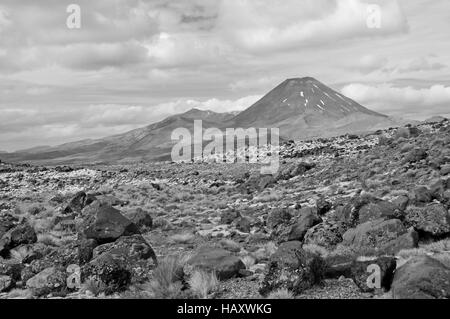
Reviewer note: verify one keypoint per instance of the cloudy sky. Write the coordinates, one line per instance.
(135, 62)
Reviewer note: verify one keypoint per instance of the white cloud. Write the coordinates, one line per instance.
(401, 100)
(4, 19)
(417, 64)
(259, 25)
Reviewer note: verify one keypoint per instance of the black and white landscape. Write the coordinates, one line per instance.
(349, 103)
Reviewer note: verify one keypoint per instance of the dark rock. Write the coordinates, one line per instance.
(422, 195)
(294, 169)
(19, 235)
(243, 224)
(437, 189)
(445, 170)
(229, 216)
(7, 222)
(112, 272)
(374, 234)
(86, 250)
(406, 241)
(6, 283)
(326, 234)
(421, 277)
(105, 224)
(433, 219)
(217, 260)
(141, 218)
(290, 268)
(416, 155)
(374, 211)
(78, 202)
(401, 202)
(49, 280)
(364, 275)
(278, 216)
(110, 200)
(12, 269)
(307, 219)
(323, 206)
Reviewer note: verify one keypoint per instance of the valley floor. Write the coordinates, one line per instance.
(225, 231)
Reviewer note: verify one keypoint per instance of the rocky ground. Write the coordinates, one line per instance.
(339, 212)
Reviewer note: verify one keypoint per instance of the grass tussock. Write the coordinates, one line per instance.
(281, 294)
(202, 283)
(167, 278)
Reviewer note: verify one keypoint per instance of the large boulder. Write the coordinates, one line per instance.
(377, 210)
(363, 208)
(364, 273)
(7, 221)
(294, 169)
(217, 260)
(10, 273)
(79, 201)
(291, 268)
(326, 234)
(374, 234)
(228, 216)
(141, 218)
(135, 248)
(116, 265)
(277, 217)
(6, 283)
(422, 194)
(105, 224)
(433, 219)
(416, 155)
(49, 280)
(323, 206)
(408, 240)
(422, 277)
(297, 229)
(21, 234)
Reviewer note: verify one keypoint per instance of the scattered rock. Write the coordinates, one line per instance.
(289, 268)
(218, 260)
(49, 280)
(278, 216)
(365, 273)
(374, 234)
(19, 235)
(229, 216)
(422, 277)
(141, 218)
(105, 224)
(433, 219)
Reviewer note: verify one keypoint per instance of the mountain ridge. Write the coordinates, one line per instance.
(302, 108)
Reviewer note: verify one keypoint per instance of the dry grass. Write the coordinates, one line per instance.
(248, 261)
(93, 286)
(20, 294)
(316, 250)
(166, 281)
(49, 240)
(428, 249)
(281, 294)
(18, 254)
(202, 283)
(185, 238)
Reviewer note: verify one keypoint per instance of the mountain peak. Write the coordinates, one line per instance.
(306, 101)
(302, 80)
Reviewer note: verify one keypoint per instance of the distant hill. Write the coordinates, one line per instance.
(305, 108)
(435, 119)
(301, 108)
